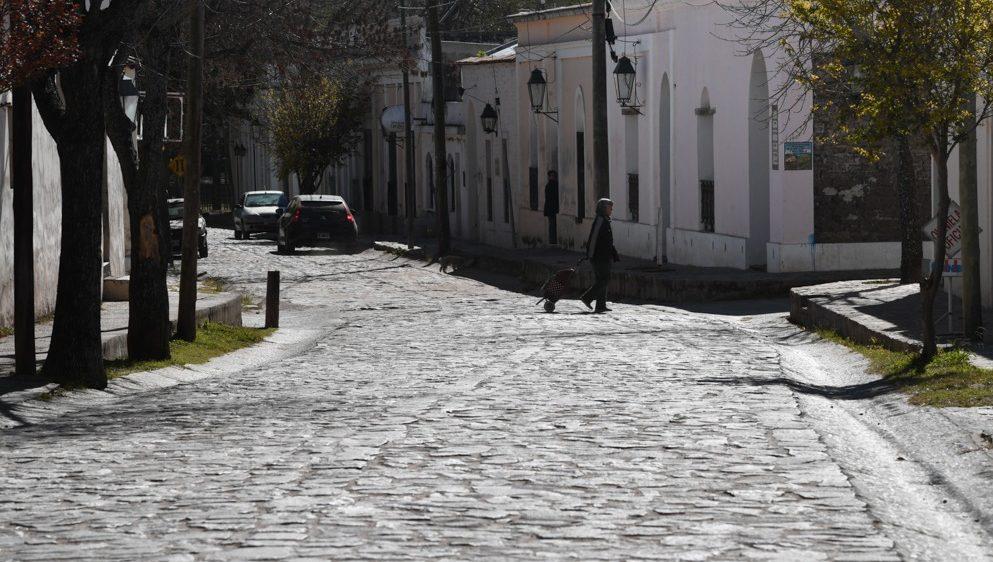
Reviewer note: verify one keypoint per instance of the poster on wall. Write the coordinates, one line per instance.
(798, 156)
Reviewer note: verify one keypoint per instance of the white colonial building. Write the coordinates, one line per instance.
(704, 169)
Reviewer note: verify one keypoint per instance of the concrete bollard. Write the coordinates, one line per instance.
(272, 300)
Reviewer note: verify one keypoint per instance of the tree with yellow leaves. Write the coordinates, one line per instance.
(894, 68)
(316, 122)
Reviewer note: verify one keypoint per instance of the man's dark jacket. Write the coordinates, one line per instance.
(551, 198)
(600, 247)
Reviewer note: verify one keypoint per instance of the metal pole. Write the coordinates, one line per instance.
(949, 285)
(438, 102)
(272, 300)
(22, 181)
(186, 324)
(972, 305)
(601, 155)
(409, 193)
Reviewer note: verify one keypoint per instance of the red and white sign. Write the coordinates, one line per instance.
(953, 236)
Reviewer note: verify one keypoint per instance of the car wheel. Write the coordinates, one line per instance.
(237, 233)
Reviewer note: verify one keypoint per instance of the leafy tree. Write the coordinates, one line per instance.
(316, 123)
(900, 68)
(40, 35)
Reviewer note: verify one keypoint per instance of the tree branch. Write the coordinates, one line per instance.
(50, 104)
(120, 129)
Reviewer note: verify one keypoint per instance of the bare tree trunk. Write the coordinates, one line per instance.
(22, 180)
(440, 157)
(143, 168)
(186, 328)
(76, 352)
(931, 283)
(911, 248)
(972, 303)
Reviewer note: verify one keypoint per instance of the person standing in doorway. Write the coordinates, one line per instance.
(602, 254)
(552, 206)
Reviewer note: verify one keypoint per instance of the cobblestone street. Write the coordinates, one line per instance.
(442, 418)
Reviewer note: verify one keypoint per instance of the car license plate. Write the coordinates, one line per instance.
(323, 236)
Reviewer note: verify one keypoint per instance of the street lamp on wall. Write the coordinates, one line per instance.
(489, 119)
(537, 90)
(624, 77)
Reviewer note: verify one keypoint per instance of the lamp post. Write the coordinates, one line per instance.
(489, 119)
(624, 78)
(537, 90)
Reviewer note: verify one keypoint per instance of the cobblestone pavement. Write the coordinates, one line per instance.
(441, 418)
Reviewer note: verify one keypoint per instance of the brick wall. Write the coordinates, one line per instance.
(856, 200)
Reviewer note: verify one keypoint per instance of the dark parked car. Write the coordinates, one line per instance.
(258, 212)
(315, 220)
(176, 229)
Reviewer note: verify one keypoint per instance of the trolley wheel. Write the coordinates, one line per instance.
(549, 306)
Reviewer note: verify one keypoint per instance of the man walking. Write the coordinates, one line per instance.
(552, 206)
(601, 253)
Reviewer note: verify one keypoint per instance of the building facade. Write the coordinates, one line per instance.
(48, 227)
(705, 168)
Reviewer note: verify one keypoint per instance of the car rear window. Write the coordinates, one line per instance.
(338, 204)
(265, 200)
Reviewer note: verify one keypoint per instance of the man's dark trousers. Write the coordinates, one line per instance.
(553, 235)
(598, 292)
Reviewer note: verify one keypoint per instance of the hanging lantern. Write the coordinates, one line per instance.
(624, 76)
(489, 118)
(536, 89)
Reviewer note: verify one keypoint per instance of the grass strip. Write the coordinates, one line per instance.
(213, 340)
(5, 331)
(948, 380)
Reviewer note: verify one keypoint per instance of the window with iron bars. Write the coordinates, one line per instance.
(633, 196)
(707, 205)
(533, 186)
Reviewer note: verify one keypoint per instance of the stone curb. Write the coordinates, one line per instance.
(222, 308)
(26, 408)
(623, 284)
(811, 307)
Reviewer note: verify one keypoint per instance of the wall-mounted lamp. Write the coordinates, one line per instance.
(537, 91)
(489, 119)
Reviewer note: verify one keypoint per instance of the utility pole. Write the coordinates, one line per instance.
(186, 326)
(440, 157)
(410, 191)
(601, 155)
(22, 181)
(972, 305)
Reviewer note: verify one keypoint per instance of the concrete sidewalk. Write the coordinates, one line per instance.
(224, 308)
(633, 279)
(881, 312)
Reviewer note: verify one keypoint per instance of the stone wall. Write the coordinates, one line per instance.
(48, 219)
(855, 200)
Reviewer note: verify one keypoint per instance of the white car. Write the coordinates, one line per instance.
(258, 212)
(176, 229)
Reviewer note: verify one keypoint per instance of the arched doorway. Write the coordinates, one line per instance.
(470, 210)
(429, 182)
(758, 162)
(705, 163)
(665, 169)
(452, 199)
(580, 147)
